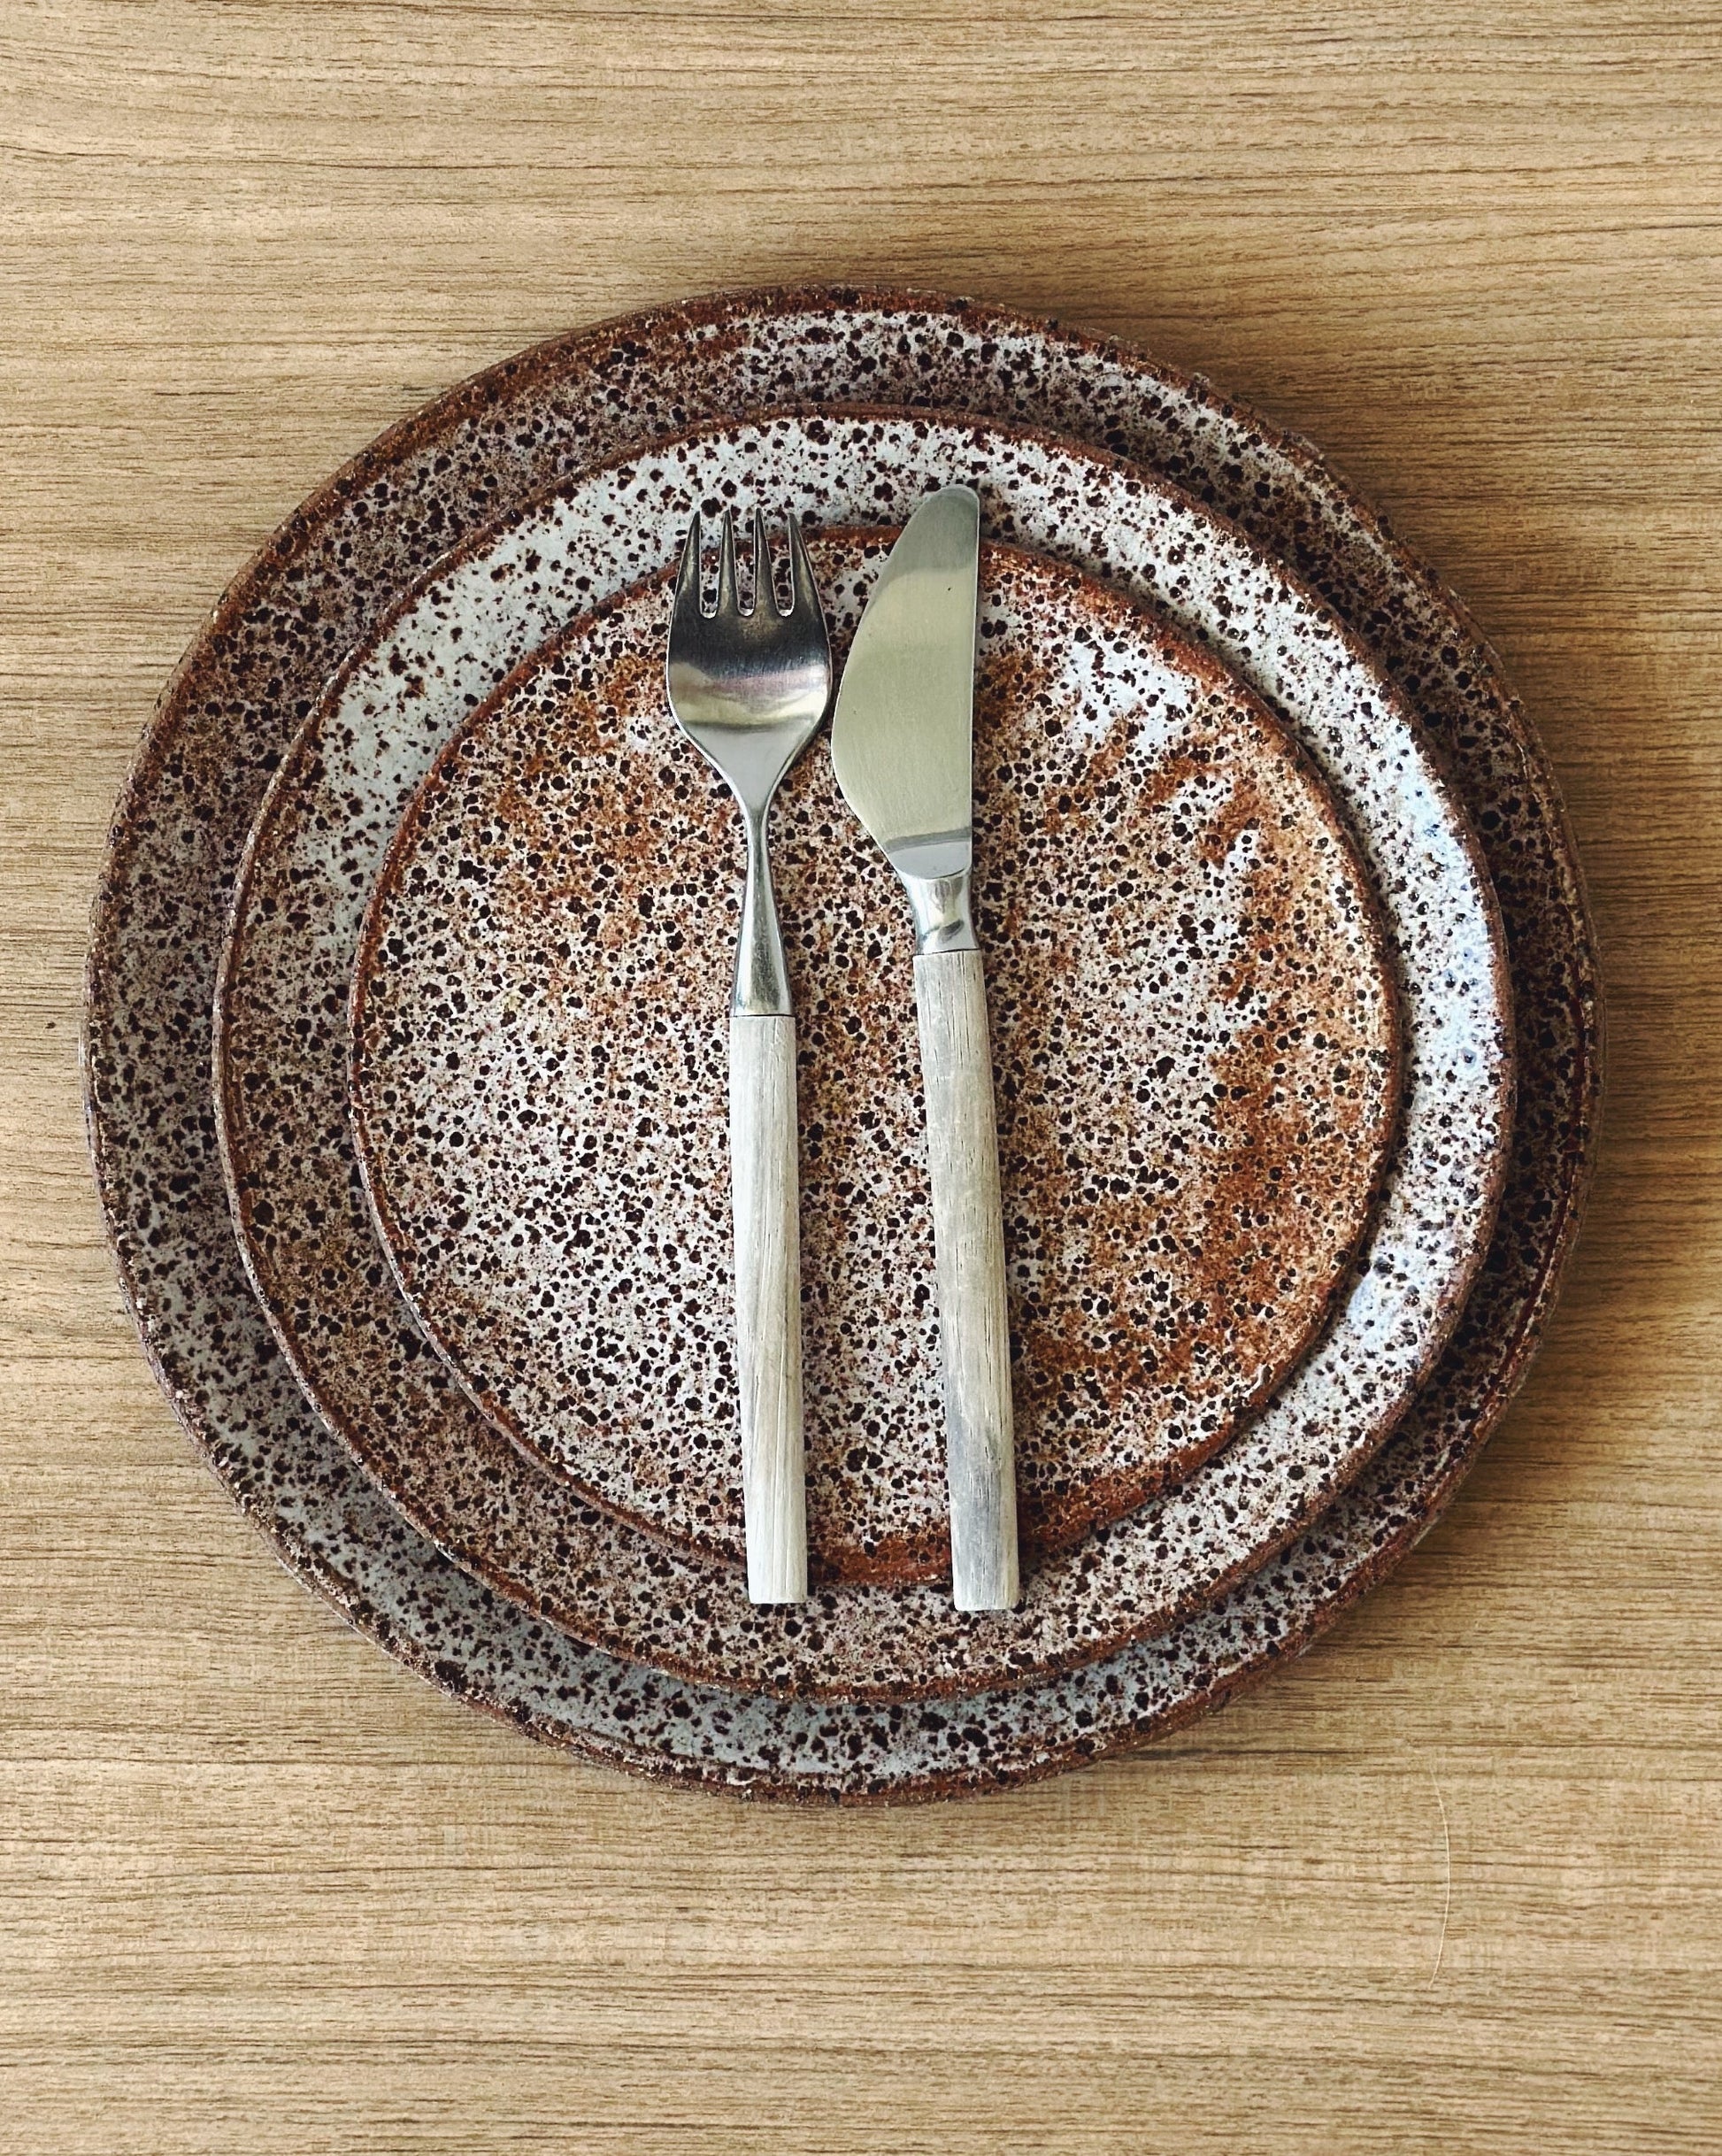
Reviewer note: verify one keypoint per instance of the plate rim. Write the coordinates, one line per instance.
(1180, 655)
(1321, 489)
(534, 509)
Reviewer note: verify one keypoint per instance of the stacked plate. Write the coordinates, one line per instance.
(406, 1051)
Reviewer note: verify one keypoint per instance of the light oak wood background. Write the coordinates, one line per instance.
(1454, 1883)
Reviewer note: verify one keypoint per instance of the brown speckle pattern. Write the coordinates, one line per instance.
(282, 1052)
(224, 724)
(1194, 1039)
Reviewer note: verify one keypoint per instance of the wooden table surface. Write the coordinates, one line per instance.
(1454, 1883)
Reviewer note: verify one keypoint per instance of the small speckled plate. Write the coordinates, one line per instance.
(282, 1053)
(1194, 1041)
(227, 720)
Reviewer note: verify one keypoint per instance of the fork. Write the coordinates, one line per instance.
(749, 690)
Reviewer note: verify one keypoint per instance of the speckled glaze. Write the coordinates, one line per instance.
(1193, 1042)
(223, 725)
(282, 1054)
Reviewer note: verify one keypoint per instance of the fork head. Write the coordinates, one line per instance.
(748, 687)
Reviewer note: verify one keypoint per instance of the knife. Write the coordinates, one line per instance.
(902, 741)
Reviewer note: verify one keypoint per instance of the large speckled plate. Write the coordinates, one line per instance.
(1194, 1041)
(281, 1058)
(223, 726)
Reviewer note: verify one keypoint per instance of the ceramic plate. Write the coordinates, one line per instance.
(281, 1056)
(225, 722)
(1194, 1041)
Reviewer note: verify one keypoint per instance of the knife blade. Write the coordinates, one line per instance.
(901, 744)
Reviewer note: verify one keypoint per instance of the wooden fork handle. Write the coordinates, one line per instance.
(765, 1197)
(968, 1239)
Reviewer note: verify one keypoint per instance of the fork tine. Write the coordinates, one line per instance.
(765, 587)
(688, 601)
(727, 606)
(805, 603)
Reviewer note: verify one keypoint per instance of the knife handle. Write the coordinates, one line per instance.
(968, 1240)
(765, 1193)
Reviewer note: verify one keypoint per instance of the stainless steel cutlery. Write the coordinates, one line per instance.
(901, 744)
(750, 688)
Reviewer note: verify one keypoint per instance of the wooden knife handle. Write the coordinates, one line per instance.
(968, 1235)
(765, 1190)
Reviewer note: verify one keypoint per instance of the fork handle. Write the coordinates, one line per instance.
(968, 1249)
(765, 1190)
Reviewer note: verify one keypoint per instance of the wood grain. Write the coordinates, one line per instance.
(1452, 1883)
